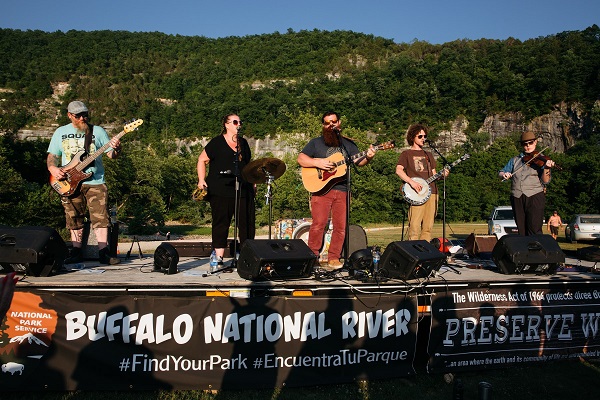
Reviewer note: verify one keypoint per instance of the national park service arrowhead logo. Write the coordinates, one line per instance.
(25, 335)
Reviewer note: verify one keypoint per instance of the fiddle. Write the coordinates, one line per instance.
(537, 160)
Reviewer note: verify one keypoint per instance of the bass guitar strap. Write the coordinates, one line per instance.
(88, 138)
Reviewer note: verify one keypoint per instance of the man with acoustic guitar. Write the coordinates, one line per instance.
(418, 163)
(332, 198)
(93, 191)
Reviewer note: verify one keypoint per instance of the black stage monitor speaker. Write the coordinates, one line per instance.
(275, 259)
(34, 250)
(166, 259)
(411, 259)
(199, 249)
(537, 254)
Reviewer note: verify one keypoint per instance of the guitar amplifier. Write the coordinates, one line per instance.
(480, 245)
(34, 250)
(275, 259)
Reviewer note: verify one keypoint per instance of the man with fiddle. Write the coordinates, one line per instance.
(529, 173)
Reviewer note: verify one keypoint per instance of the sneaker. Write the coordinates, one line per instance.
(105, 258)
(333, 265)
(75, 256)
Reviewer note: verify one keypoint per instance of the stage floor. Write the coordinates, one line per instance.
(135, 275)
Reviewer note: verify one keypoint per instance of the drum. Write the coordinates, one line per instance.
(301, 232)
(284, 228)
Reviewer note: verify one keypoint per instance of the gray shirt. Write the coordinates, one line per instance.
(317, 148)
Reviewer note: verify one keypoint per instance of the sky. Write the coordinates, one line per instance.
(433, 21)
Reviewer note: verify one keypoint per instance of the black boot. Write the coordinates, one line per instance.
(106, 258)
(75, 256)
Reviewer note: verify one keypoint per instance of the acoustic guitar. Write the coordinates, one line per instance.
(317, 180)
(74, 170)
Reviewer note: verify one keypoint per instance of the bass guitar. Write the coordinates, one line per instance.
(416, 199)
(317, 180)
(74, 170)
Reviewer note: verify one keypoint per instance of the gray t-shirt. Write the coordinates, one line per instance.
(317, 148)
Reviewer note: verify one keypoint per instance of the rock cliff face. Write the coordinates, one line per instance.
(559, 130)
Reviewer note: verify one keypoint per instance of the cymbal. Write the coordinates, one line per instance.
(257, 170)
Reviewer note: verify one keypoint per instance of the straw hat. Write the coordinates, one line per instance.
(527, 136)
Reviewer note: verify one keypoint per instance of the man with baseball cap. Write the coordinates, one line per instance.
(528, 182)
(67, 141)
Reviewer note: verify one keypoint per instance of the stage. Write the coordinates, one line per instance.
(135, 274)
(196, 330)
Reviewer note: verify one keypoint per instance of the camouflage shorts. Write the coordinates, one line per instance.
(95, 197)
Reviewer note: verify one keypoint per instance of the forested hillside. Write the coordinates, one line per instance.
(281, 83)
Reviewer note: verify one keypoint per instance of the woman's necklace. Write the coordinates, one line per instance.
(231, 139)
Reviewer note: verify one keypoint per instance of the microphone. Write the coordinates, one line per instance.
(335, 130)
(226, 172)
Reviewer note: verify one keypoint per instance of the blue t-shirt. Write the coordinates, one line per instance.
(68, 141)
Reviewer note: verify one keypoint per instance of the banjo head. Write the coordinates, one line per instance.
(414, 198)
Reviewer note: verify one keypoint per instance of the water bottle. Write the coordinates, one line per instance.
(376, 257)
(214, 264)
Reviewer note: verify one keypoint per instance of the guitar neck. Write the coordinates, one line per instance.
(357, 156)
(84, 164)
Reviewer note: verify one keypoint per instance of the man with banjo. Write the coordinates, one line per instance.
(416, 167)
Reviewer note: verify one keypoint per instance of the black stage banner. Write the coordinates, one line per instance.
(57, 341)
(474, 329)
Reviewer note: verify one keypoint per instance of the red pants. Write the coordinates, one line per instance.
(333, 202)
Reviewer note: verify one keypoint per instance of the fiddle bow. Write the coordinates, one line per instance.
(535, 156)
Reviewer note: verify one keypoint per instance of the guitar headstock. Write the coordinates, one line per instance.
(465, 156)
(133, 125)
(387, 145)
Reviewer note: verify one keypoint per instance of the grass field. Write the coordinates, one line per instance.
(377, 234)
(553, 380)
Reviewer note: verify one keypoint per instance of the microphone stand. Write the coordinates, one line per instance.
(237, 174)
(444, 162)
(269, 196)
(349, 162)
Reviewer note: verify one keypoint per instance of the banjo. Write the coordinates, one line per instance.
(416, 199)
